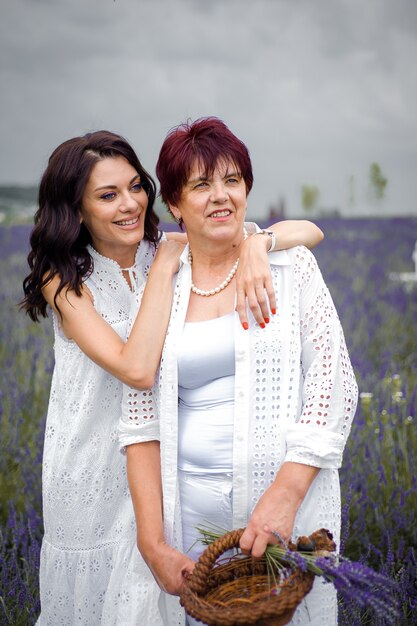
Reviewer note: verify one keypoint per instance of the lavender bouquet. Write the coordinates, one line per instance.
(316, 554)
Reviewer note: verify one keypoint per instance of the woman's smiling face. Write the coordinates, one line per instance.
(213, 206)
(114, 207)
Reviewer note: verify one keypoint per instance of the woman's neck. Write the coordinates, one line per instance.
(124, 257)
(212, 256)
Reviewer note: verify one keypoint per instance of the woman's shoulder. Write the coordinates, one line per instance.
(299, 255)
(299, 262)
(290, 256)
(65, 296)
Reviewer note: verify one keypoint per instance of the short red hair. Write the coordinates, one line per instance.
(208, 141)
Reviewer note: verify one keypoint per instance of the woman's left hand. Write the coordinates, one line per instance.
(254, 282)
(277, 507)
(275, 511)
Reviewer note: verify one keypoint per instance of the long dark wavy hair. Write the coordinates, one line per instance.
(58, 240)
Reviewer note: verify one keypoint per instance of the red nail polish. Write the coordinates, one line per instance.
(273, 311)
(245, 325)
(266, 320)
(262, 325)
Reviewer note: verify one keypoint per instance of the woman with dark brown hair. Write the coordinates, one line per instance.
(94, 246)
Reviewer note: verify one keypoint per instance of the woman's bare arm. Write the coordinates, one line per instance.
(169, 566)
(134, 362)
(290, 233)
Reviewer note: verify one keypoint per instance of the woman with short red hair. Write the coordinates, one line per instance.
(250, 424)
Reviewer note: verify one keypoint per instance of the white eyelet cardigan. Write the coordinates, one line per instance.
(295, 397)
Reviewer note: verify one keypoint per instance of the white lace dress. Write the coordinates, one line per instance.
(91, 572)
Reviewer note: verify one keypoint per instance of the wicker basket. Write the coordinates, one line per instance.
(238, 592)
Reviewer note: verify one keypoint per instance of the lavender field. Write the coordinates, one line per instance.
(379, 476)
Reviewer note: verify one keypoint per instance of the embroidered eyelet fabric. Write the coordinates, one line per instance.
(295, 399)
(91, 572)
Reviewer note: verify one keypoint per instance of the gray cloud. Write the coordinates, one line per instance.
(316, 90)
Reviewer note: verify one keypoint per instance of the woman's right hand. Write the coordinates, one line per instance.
(170, 567)
(168, 255)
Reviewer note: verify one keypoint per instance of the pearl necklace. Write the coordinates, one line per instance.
(223, 285)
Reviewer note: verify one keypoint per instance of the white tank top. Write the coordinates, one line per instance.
(206, 385)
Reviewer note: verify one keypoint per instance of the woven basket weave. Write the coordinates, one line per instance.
(238, 592)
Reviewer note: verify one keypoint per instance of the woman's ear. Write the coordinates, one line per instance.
(175, 212)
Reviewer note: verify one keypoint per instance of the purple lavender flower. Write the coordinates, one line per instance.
(296, 559)
(362, 584)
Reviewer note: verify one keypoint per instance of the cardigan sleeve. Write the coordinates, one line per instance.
(139, 417)
(329, 389)
(138, 421)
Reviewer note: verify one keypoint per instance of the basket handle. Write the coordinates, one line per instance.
(204, 565)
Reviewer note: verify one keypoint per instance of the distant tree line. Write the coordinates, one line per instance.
(310, 194)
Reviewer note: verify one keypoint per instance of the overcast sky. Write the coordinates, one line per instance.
(317, 89)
